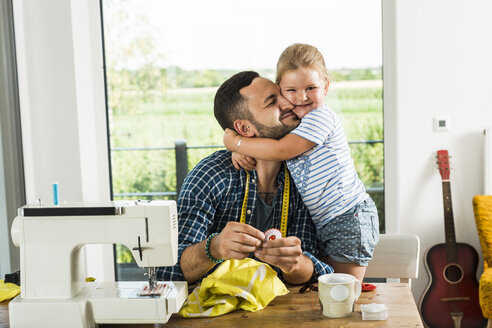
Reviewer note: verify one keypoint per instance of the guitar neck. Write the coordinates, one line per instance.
(450, 234)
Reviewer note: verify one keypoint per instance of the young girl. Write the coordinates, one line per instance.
(318, 158)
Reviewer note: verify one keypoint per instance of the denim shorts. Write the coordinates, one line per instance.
(351, 237)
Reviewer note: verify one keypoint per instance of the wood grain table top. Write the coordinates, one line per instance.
(298, 310)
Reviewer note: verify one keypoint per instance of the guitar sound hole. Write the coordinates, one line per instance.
(453, 273)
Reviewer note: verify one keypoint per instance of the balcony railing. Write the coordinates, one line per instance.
(181, 154)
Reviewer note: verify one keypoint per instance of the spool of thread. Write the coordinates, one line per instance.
(273, 234)
(55, 193)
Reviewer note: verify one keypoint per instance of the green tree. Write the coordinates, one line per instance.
(132, 58)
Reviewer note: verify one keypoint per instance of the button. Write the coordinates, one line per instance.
(248, 211)
(253, 180)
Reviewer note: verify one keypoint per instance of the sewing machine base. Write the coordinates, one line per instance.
(99, 303)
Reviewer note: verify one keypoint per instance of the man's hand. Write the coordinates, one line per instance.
(286, 254)
(236, 241)
(231, 139)
(242, 161)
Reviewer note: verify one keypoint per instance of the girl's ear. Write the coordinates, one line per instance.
(327, 84)
(244, 128)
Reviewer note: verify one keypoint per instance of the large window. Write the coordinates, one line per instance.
(165, 60)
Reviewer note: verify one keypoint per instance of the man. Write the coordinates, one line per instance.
(210, 204)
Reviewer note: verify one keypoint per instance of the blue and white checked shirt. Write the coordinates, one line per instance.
(212, 195)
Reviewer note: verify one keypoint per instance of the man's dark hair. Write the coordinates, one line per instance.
(229, 104)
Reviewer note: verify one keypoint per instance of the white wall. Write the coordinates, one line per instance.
(442, 67)
(61, 89)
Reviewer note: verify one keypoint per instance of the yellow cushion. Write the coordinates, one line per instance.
(482, 206)
(485, 293)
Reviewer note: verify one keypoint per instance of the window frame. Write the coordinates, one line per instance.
(82, 49)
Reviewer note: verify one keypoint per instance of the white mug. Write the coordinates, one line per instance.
(338, 293)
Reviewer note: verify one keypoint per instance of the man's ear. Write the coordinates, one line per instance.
(244, 128)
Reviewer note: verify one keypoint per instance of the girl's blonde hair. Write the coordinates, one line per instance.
(301, 55)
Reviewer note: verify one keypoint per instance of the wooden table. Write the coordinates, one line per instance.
(299, 310)
(4, 314)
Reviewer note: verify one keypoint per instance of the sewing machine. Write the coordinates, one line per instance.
(54, 290)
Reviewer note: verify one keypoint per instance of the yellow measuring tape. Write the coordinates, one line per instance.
(285, 202)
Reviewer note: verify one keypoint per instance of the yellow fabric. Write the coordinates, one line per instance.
(8, 290)
(485, 293)
(482, 207)
(236, 284)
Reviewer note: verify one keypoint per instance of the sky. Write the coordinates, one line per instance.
(251, 34)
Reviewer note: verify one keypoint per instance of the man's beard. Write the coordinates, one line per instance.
(273, 132)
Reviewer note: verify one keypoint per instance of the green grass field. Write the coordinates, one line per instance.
(188, 114)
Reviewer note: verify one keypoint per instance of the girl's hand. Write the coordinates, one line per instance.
(230, 139)
(242, 161)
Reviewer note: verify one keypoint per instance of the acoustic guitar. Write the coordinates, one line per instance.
(451, 298)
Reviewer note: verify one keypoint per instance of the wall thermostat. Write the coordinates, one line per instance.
(441, 124)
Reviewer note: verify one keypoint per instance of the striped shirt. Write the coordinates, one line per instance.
(325, 175)
(212, 195)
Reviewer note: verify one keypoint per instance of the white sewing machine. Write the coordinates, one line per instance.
(54, 291)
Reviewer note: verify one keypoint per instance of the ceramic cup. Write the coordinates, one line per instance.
(338, 293)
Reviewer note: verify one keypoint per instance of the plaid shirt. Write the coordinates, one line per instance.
(212, 194)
